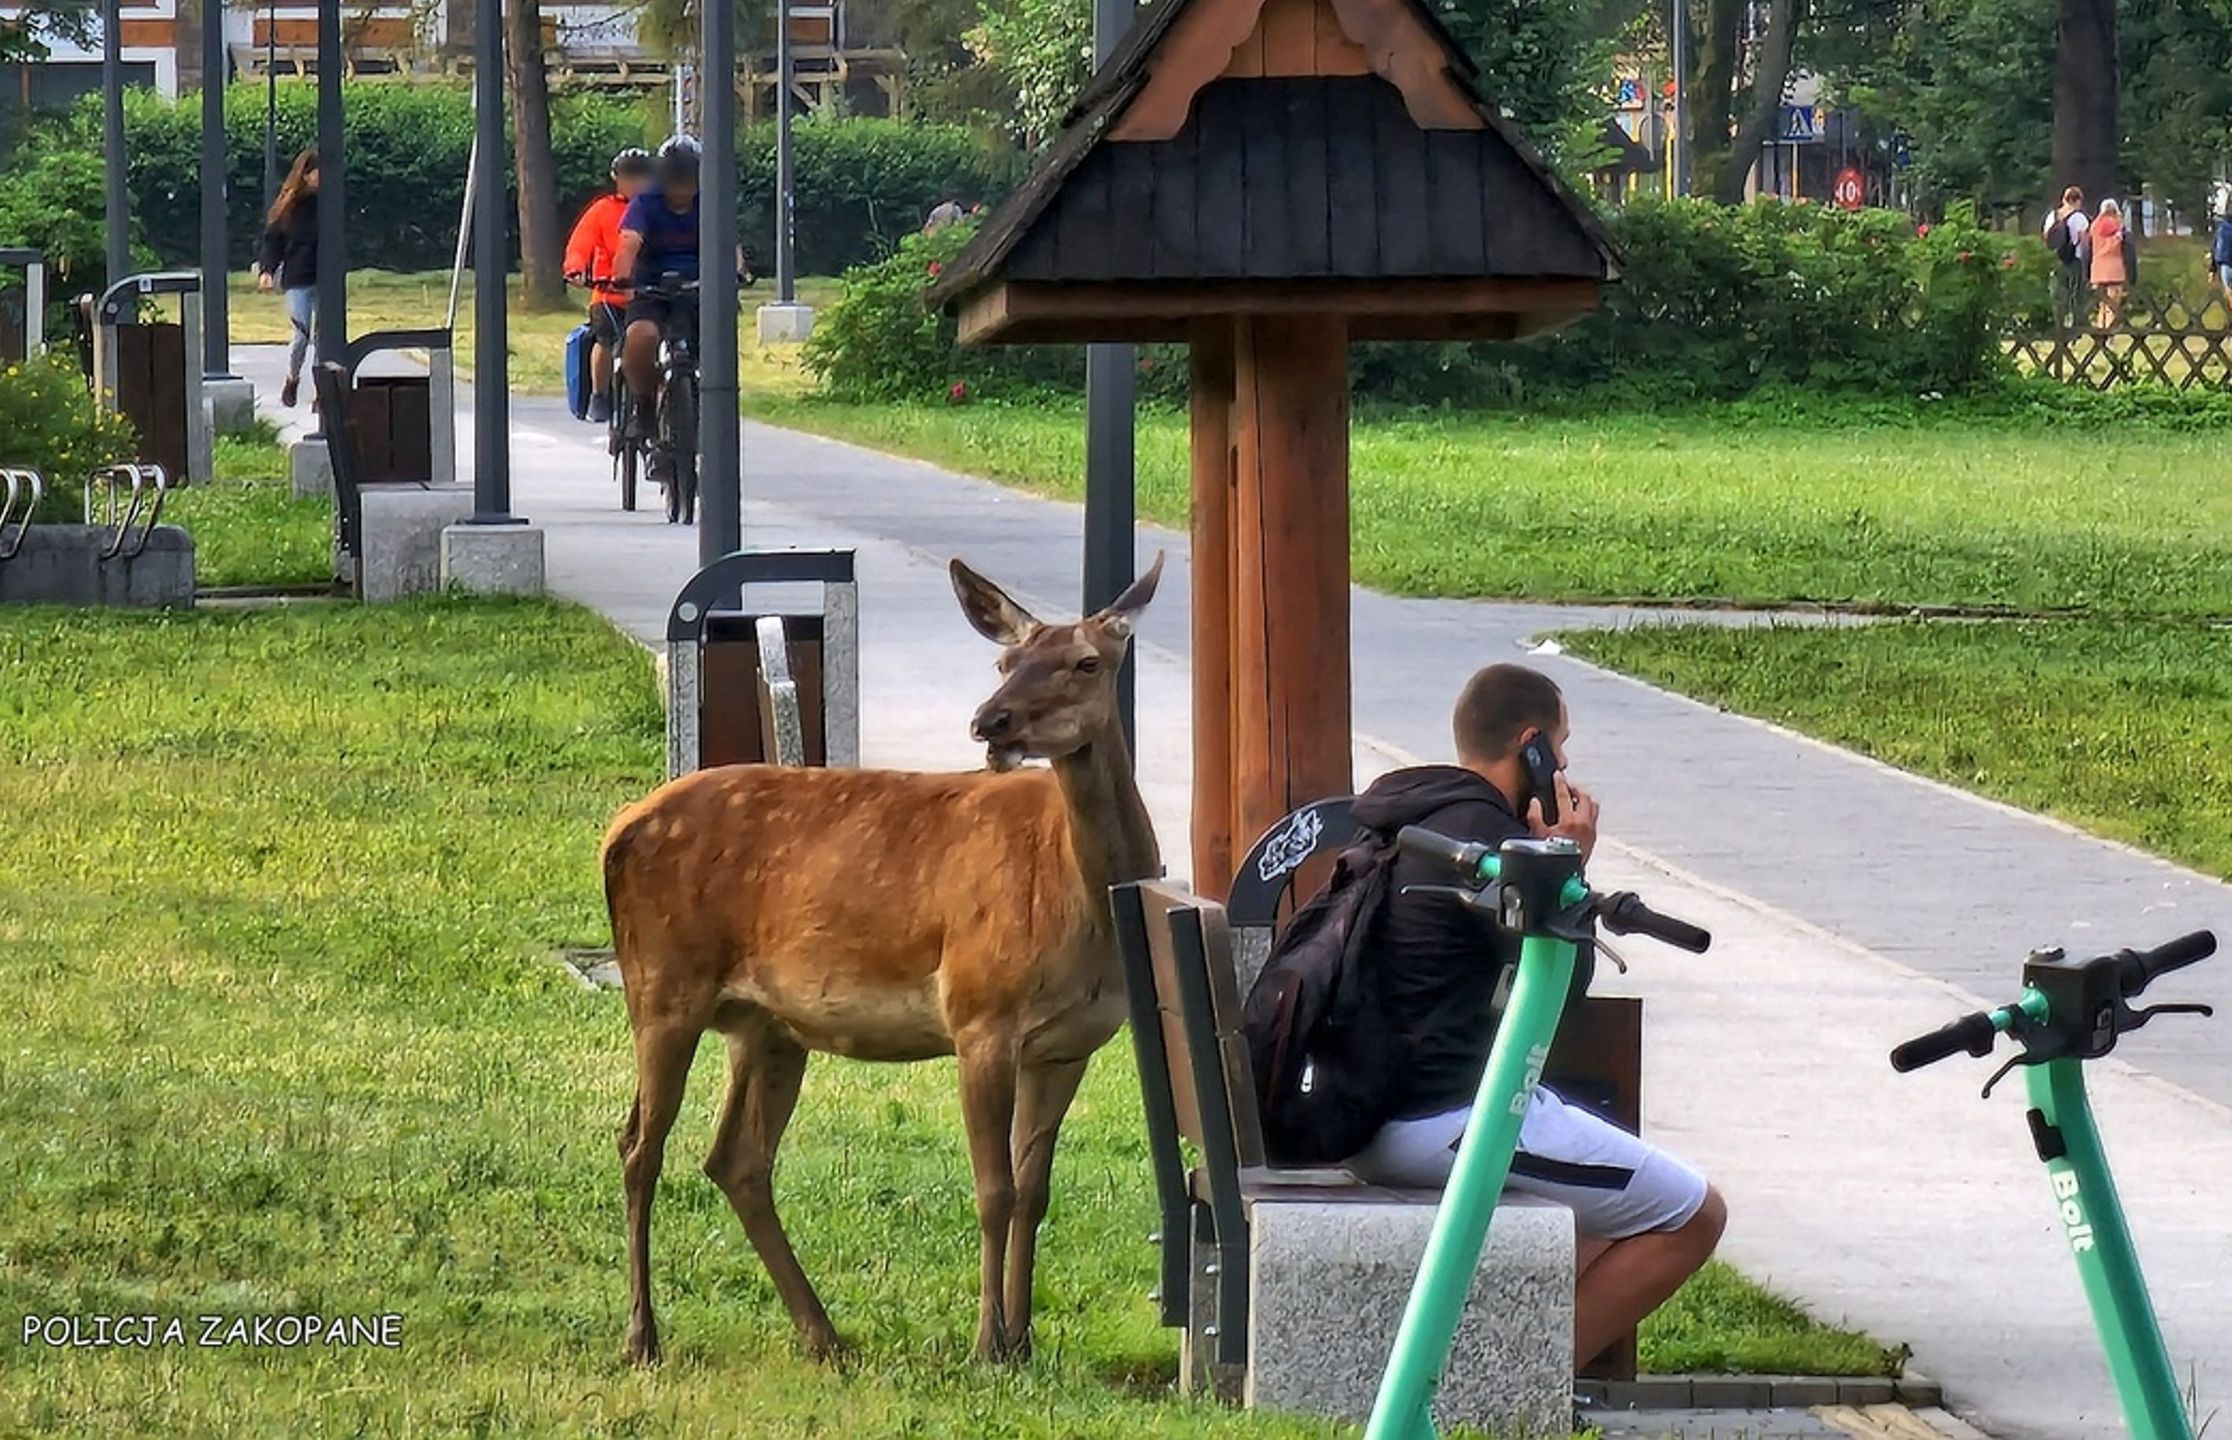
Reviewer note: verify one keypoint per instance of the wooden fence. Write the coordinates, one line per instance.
(2153, 340)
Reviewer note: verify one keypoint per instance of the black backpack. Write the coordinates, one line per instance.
(1319, 1050)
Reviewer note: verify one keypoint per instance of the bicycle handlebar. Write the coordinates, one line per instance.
(2142, 967)
(1973, 1033)
(1626, 914)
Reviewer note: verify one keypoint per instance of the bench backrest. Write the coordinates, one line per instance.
(1265, 880)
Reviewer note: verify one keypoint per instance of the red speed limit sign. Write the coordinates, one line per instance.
(1850, 189)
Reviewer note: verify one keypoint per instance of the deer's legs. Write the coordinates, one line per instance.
(663, 1057)
(765, 1069)
(987, 1111)
(1043, 1093)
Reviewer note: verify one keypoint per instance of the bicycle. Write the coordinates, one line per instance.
(626, 458)
(669, 454)
(2072, 1011)
(1535, 889)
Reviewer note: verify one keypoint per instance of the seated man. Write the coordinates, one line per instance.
(1645, 1220)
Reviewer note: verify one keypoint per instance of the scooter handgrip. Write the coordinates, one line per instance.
(1624, 914)
(1463, 857)
(1972, 1033)
(2172, 955)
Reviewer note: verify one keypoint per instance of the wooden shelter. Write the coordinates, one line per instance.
(1268, 180)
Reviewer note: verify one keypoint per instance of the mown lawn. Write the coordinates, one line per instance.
(284, 1036)
(247, 524)
(2118, 728)
(1679, 508)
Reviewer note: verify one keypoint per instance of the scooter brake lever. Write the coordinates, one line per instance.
(2001, 1074)
(2141, 1017)
(1478, 899)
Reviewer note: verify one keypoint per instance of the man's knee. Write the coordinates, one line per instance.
(1704, 1229)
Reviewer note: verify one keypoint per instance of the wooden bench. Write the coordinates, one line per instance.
(1290, 1284)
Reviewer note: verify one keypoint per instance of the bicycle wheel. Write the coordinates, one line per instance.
(628, 463)
(682, 459)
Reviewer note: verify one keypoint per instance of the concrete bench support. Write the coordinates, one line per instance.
(1327, 1288)
(402, 539)
(62, 565)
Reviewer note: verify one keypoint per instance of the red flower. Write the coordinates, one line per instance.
(2007, 262)
(1922, 229)
(959, 394)
(936, 269)
(1966, 256)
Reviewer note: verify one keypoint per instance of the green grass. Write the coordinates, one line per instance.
(2118, 728)
(284, 1037)
(248, 527)
(1676, 507)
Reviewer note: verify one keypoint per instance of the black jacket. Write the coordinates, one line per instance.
(1437, 963)
(290, 247)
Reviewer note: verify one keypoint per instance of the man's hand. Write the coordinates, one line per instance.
(1577, 816)
(266, 281)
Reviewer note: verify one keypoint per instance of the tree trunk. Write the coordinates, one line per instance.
(1770, 80)
(542, 245)
(1712, 95)
(2085, 80)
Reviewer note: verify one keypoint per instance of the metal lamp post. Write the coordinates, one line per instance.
(786, 280)
(215, 163)
(117, 207)
(1109, 405)
(491, 361)
(1677, 149)
(333, 260)
(720, 442)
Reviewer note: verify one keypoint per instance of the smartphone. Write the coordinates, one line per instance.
(1542, 775)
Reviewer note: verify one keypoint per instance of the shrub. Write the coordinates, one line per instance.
(49, 423)
(862, 184)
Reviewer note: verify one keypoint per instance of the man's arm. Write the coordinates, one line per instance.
(631, 247)
(581, 246)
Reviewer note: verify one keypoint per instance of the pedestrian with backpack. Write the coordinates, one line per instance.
(1370, 1026)
(2064, 234)
(2220, 250)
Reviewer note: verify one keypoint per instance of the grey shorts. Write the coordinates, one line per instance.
(1616, 1185)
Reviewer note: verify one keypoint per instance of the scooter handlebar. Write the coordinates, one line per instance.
(1626, 914)
(1975, 1034)
(2141, 967)
(1463, 857)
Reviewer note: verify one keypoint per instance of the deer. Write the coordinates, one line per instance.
(892, 916)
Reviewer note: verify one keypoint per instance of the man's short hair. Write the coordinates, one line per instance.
(1498, 704)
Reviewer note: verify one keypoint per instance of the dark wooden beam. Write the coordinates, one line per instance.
(1212, 400)
(1028, 312)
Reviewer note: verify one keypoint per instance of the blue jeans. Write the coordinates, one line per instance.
(302, 308)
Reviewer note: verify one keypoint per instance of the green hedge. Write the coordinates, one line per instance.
(862, 184)
(1712, 303)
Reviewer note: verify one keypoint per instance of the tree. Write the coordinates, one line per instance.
(2085, 72)
(1736, 97)
(1547, 64)
(26, 34)
(542, 245)
(1044, 50)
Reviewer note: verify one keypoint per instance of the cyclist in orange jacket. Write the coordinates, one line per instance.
(591, 254)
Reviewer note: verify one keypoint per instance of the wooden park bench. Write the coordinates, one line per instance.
(1290, 1284)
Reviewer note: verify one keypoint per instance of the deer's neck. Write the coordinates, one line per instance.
(1109, 829)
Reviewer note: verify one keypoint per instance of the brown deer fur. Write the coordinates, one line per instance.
(890, 916)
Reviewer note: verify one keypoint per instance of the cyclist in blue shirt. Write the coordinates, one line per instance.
(659, 238)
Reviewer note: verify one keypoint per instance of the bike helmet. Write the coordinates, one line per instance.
(635, 160)
(678, 158)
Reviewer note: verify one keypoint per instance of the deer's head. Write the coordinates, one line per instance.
(1057, 682)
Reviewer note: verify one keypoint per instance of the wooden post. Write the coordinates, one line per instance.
(1290, 658)
(1213, 813)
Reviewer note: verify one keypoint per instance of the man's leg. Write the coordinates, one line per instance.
(639, 356)
(1644, 1221)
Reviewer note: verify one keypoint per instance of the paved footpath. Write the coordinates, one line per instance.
(1852, 906)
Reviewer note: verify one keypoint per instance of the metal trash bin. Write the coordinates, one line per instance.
(405, 426)
(726, 706)
(23, 308)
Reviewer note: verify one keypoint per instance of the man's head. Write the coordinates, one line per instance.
(678, 169)
(632, 170)
(1501, 709)
(2073, 197)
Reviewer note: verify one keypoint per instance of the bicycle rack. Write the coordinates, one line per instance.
(741, 686)
(33, 265)
(144, 480)
(441, 388)
(19, 482)
(118, 306)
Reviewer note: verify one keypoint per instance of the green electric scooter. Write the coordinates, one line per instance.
(1534, 889)
(2073, 1011)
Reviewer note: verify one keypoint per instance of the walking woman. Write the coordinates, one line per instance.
(2109, 244)
(288, 260)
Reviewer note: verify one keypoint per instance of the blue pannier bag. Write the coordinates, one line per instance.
(578, 384)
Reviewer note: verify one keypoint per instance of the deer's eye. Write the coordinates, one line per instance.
(1090, 665)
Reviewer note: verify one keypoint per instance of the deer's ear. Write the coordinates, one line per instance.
(990, 609)
(1123, 613)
